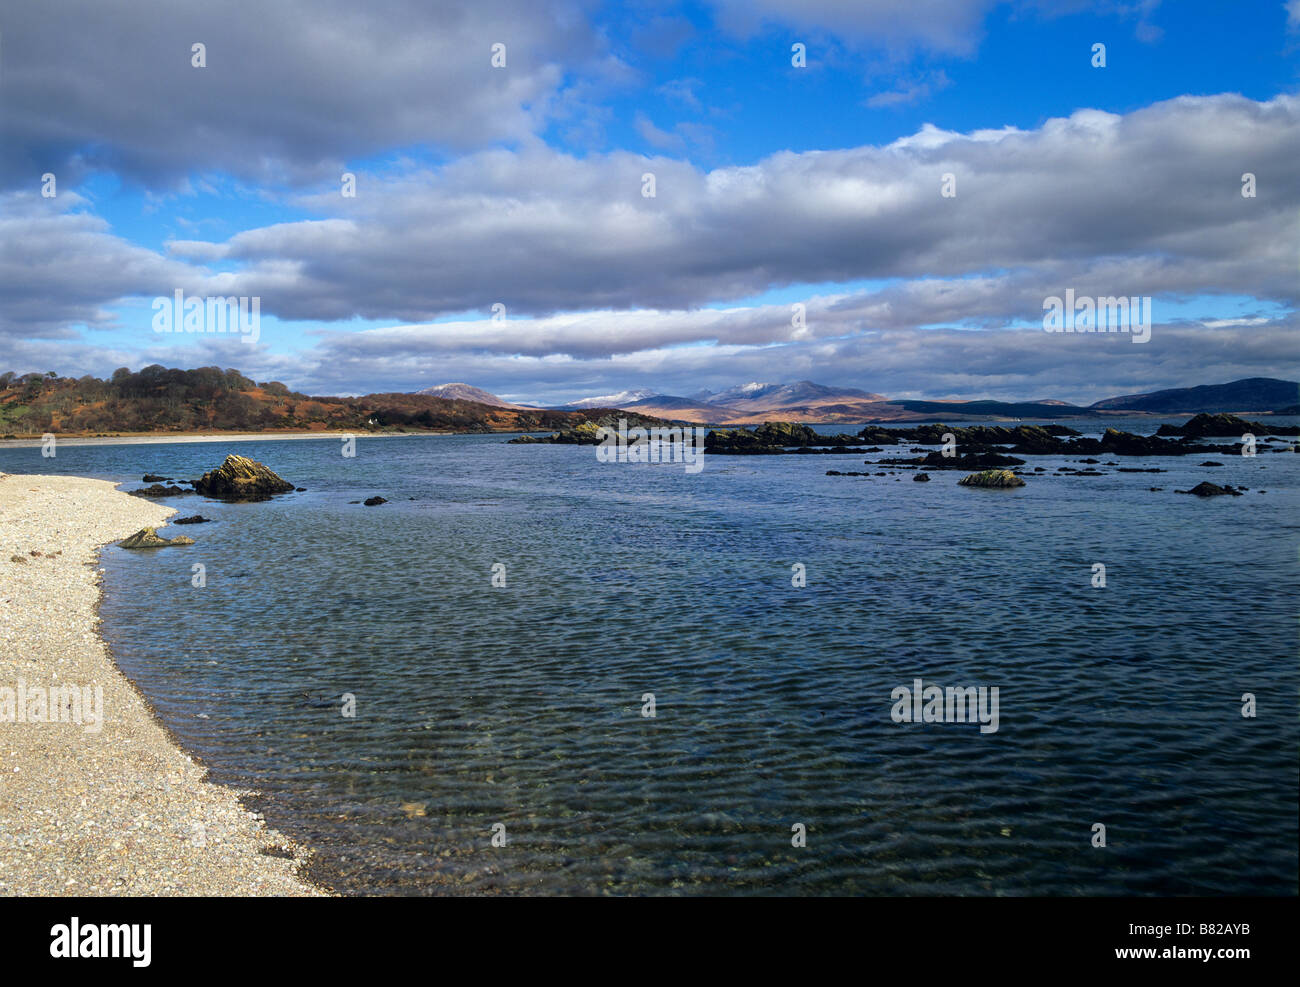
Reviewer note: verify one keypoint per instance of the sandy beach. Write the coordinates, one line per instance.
(171, 438)
(95, 797)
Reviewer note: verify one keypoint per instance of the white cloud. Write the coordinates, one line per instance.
(1145, 203)
(1151, 199)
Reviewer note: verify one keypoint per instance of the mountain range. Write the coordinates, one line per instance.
(160, 400)
(805, 401)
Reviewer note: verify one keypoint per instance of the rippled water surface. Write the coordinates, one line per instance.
(523, 705)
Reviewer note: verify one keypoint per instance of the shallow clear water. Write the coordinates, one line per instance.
(522, 705)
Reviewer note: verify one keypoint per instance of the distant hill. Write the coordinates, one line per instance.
(745, 403)
(686, 409)
(758, 397)
(1251, 394)
(998, 409)
(463, 392)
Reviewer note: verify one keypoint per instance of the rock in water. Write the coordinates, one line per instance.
(921, 478)
(158, 490)
(196, 519)
(1208, 489)
(1206, 424)
(147, 538)
(239, 478)
(785, 434)
(374, 501)
(992, 478)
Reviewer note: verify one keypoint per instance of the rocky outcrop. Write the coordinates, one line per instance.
(1127, 444)
(878, 435)
(158, 490)
(775, 438)
(583, 434)
(587, 433)
(992, 478)
(786, 434)
(196, 519)
(970, 461)
(148, 538)
(1210, 490)
(1203, 424)
(239, 478)
(1033, 439)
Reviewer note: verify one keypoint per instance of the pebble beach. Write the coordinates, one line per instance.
(100, 800)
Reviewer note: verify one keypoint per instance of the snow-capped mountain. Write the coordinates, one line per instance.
(464, 392)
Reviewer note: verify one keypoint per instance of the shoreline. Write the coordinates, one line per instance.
(103, 802)
(166, 438)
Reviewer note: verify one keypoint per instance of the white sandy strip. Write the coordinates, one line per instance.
(181, 438)
(121, 811)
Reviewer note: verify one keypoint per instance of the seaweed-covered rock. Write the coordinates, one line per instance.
(195, 519)
(240, 478)
(588, 433)
(1208, 489)
(739, 442)
(158, 490)
(148, 538)
(970, 461)
(770, 438)
(1036, 440)
(786, 434)
(1127, 444)
(879, 436)
(582, 434)
(992, 478)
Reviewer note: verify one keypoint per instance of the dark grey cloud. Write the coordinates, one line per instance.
(291, 91)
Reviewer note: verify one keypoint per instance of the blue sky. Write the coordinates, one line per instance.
(776, 185)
